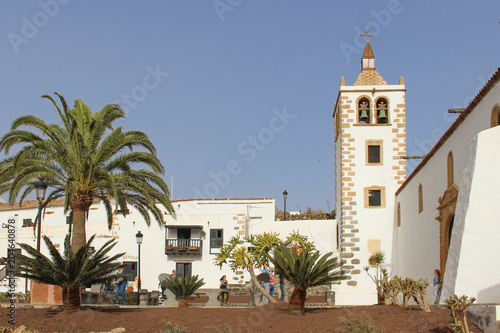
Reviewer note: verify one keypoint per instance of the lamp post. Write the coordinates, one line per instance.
(40, 188)
(138, 238)
(285, 195)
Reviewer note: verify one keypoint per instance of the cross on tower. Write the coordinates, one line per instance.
(367, 35)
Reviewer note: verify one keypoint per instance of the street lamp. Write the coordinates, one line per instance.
(138, 238)
(40, 188)
(285, 195)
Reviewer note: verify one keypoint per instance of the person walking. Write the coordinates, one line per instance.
(271, 281)
(163, 287)
(223, 291)
(437, 285)
(265, 284)
(121, 284)
(282, 287)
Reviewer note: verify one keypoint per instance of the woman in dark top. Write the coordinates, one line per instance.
(223, 291)
(437, 285)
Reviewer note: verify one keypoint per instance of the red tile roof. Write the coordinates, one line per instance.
(29, 204)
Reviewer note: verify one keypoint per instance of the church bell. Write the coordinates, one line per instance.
(363, 116)
(382, 115)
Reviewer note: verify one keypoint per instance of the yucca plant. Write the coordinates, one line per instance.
(183, 287)
(381, 274)
(305, 269)
(69, 270)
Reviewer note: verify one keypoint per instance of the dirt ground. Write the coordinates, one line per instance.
(268, 318)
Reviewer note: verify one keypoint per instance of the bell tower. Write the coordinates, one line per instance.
(370, 137)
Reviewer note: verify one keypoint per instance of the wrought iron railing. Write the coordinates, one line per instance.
(183, 246)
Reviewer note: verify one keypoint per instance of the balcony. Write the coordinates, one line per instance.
(183, 246)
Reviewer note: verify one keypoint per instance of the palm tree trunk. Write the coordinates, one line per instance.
(71, 298)
(183, 303)
(80, 204)
(79, 237)
(259, 286)
(297, 301)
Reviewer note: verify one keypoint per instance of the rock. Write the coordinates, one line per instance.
(118, 330)
(20, 329)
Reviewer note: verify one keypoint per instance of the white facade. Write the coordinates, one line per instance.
(459, 195)
(230, 216)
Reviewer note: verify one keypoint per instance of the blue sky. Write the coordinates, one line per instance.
(238, 95)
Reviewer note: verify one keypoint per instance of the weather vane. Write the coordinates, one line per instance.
(367, 35)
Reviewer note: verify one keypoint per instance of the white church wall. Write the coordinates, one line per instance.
(474, 244)
(418, 241)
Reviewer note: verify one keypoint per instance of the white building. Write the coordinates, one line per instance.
(201, 226)
(443, 216)
(446, 215)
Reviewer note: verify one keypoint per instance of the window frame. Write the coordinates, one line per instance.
(221, 238)
(367, 196)
(495, 116)
(372, 143)
(420, 199)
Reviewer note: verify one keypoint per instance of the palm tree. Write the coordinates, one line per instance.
(183, 287)
(305, 269)
(83, 160)
(71, 270)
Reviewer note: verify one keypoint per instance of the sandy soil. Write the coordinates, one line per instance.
(268, 318)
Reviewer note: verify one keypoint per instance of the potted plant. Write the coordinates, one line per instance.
(169, 247)
(181, 248)
(193, 248)
(203, 234)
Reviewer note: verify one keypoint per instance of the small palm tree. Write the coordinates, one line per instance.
(71, 270)
(305, 269)
(183, 287)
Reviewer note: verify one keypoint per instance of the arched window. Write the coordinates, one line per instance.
(382, 111)
(364, 110)
(450, 169)
(420, 199)
(495, 116)
(399, 214)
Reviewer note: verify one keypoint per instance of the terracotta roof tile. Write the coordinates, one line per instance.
(221, 199)
(370, 77)
(29, 204)
(472, 105)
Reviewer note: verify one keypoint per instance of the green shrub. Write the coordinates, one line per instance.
(358, 323)
(174, 329)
